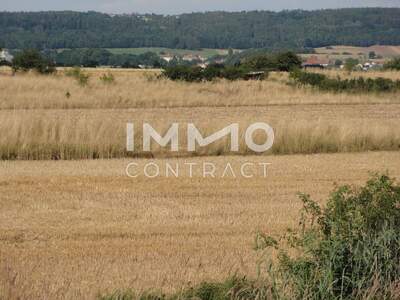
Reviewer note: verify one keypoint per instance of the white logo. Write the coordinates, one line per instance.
(194, 137)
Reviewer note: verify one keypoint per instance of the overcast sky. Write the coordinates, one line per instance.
(180, 6)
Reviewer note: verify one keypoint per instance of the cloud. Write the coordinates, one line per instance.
(180, 6)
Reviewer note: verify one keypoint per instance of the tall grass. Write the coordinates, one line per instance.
(30, 137)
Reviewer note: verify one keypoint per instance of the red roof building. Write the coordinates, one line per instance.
(316, 62)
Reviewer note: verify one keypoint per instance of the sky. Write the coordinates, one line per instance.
(185, 6)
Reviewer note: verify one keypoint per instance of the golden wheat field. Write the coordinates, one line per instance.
(74, 227)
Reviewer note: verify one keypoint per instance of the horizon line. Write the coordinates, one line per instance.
(199, 12)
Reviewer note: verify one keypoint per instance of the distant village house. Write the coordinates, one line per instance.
(167, 57)
(193, 57)
(316, 62)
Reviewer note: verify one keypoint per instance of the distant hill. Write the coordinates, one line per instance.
(220, 30)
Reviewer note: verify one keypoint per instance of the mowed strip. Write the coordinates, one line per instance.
(75, 228)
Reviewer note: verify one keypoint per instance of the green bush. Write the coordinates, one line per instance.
(348, 250)
(235, 73)
(354, 85)
(32, 60)
(184, 73)
(287, 62)
(372, 55)
(350, 64)
(393, 64)
(284, 62)
(211, 72)
(107, 78)
(78, 75)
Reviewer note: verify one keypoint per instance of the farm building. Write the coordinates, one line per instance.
(316, 62)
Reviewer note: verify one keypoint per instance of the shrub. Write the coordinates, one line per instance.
(284, 62)
(261, 62)
(184, 73)
(32, 60)
(350, 64)
(287, 62)
(371, 55)
(79, 75)
(348, 250)
(305, 78)
(355, 85)
(107, 78)
(211, 72)
(235, 72)
(393, 64)
(338, 63)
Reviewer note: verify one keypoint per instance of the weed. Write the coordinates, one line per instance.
(107, 78)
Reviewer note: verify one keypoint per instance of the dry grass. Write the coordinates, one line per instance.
(54, 118)
(134, 89)
(73, 134)
(73, 229)
(43, 139)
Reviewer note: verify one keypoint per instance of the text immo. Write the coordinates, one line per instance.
(194, 137)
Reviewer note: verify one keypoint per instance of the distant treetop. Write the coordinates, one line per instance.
(241, 30)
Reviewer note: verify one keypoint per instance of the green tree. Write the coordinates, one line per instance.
(288, 61)
(338, 63)
(237, 30)
(285, 62)
(372, 55)
(350, 64)
(32, 60)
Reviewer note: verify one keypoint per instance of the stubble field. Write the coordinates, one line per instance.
(73, 229)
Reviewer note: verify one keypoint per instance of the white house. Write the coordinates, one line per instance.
(5, 56)
(167, 57)
(193, 57)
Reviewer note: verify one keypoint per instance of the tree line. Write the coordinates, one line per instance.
(338, 85)
(101, 57)
(256, 66)
(242, 30)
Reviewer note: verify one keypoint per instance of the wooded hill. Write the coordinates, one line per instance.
(257, 29)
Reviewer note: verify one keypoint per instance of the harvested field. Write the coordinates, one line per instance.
(73, 229)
